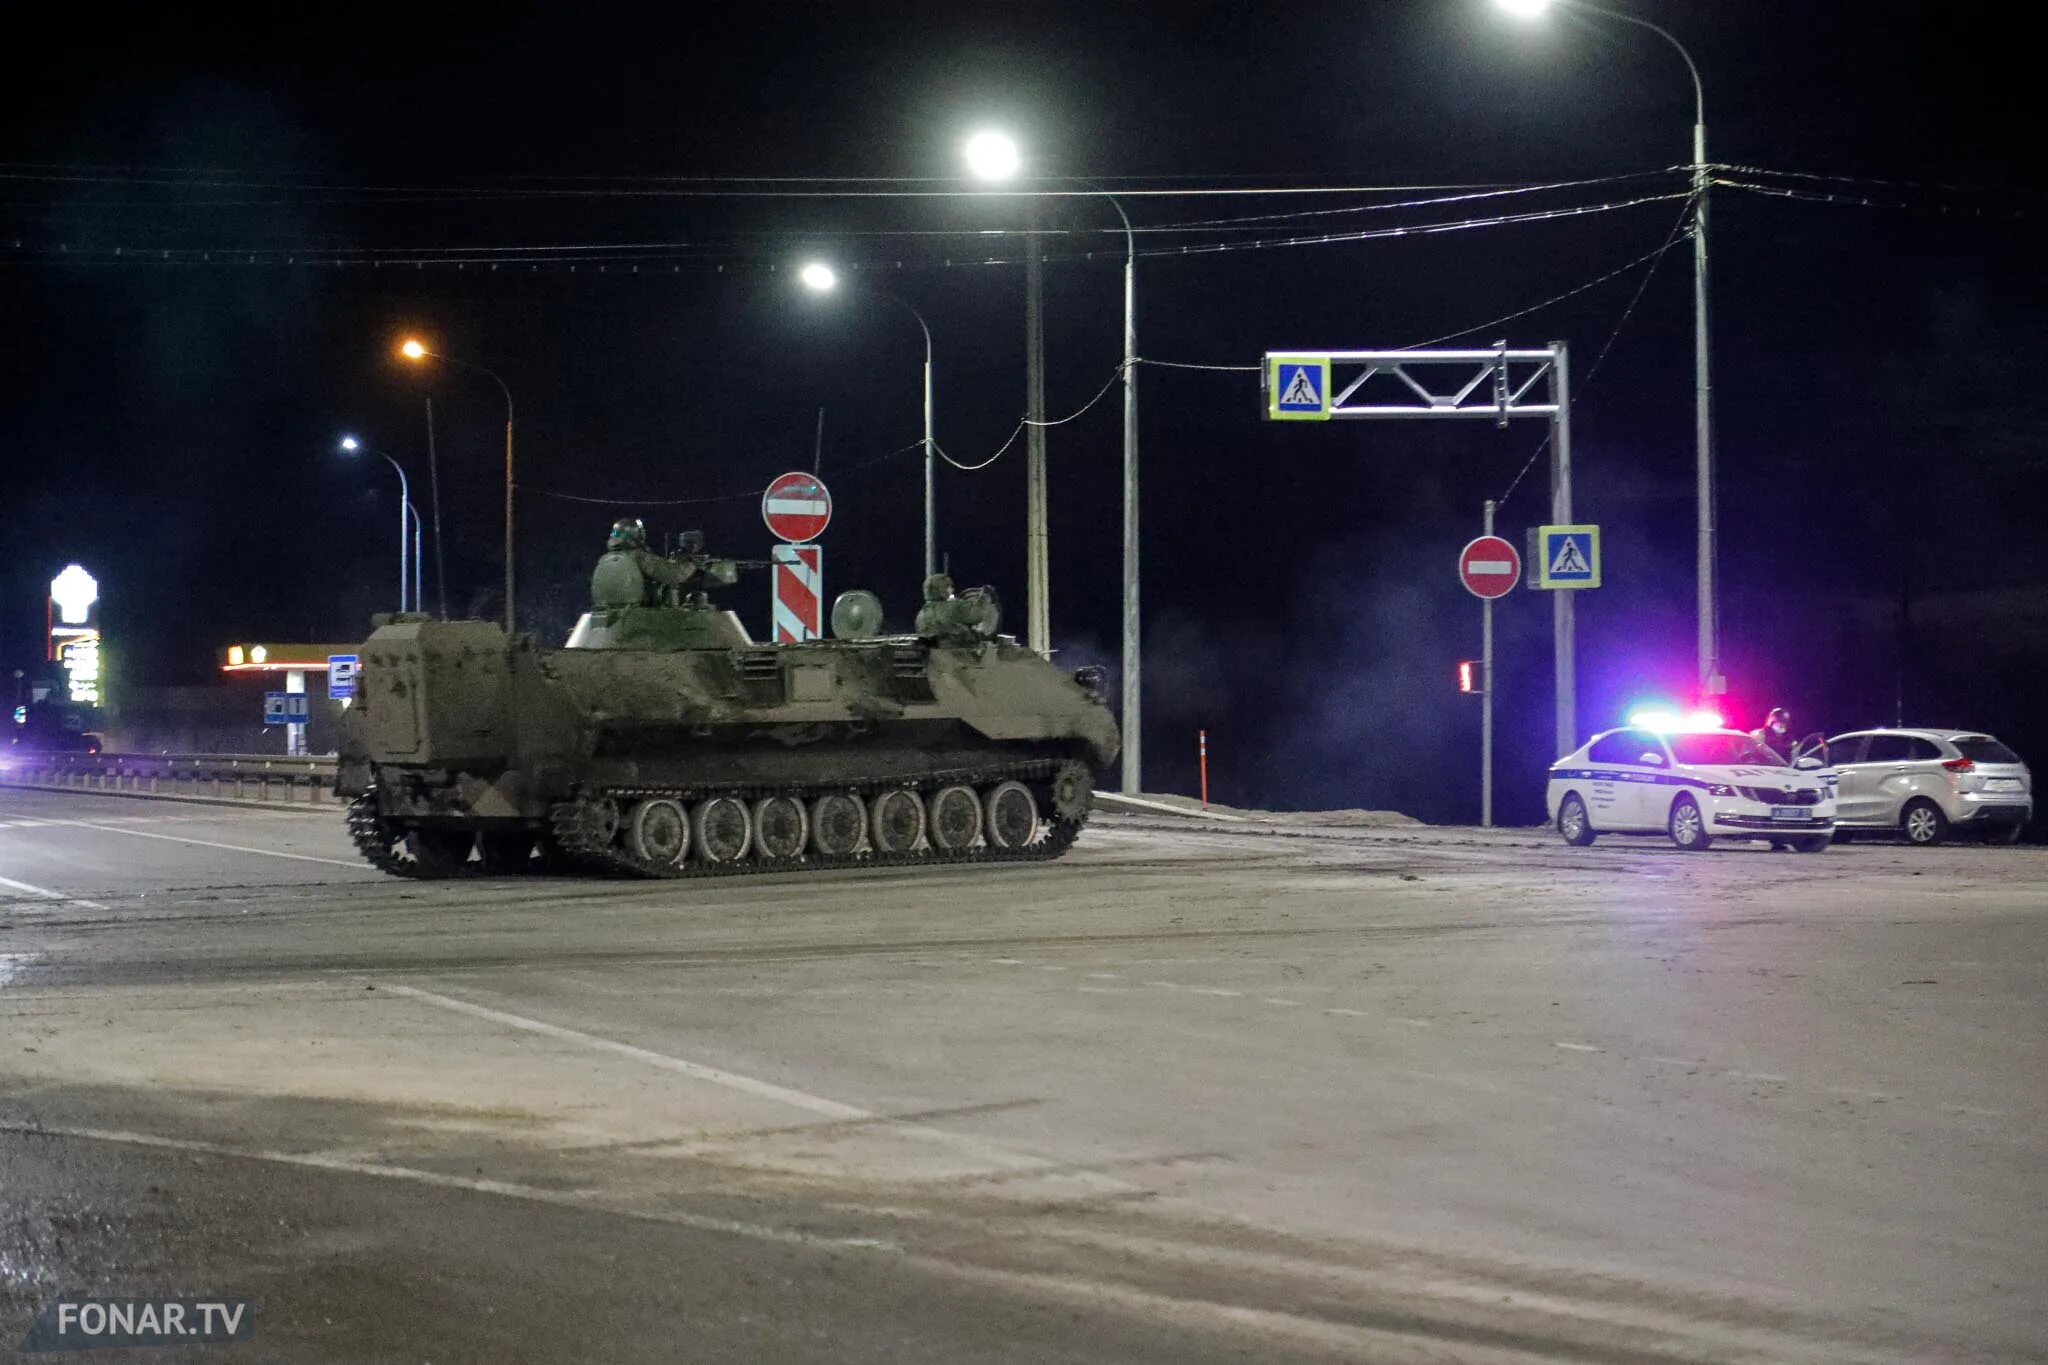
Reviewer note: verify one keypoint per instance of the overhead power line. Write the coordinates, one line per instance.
(601, 254)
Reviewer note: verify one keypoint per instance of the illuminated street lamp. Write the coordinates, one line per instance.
(1711, 682)
(994, 157)
(350, 445)
(417, 351)
(820, 278)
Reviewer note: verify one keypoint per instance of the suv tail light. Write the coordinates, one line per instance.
(1958, 765)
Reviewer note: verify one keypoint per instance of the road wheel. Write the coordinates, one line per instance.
(1072, 793)
(722, 829)
(1688, 826)
(505, 853)
(657, 831)
(1923, 822)
(896, 821)
(1011, 815)
(838, 819)
(1573, 822)
(439, 852)
(953, 818)
(781, 828)
(1816, 843)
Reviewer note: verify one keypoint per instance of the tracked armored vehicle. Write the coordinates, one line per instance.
(663, 741)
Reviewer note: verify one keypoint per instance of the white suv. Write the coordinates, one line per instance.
(1930, 784)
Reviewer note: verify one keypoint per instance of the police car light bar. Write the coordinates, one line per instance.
(1670, 721)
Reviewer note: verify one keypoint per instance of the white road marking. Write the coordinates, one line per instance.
(1105, 976)
(1119, 799)
(697, 1071)
(1353, 1014)
(1276, 1000)
(1214, 990)
(1007, 961)
(980, 1150)
(31, 889)
(1575, 1047)
(345, 1166)
(1418, 1023)
(208, 843)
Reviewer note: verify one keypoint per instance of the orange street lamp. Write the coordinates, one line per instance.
(415, 350)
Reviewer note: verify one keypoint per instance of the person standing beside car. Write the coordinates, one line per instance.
(1776, 734)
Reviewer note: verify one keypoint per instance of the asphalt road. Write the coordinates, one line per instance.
(1304, 1091)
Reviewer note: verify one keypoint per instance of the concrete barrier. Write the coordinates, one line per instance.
(257, 779)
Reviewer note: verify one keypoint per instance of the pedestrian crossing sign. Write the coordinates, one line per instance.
(1297, 388)
(1566, 557)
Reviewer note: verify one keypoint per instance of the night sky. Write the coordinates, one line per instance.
(214, 229)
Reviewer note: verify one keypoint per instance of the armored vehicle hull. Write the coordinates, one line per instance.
(631, 754)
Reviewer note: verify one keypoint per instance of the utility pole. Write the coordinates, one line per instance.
(1038, 606)
(1562, 602)
(1133, 695)
(1712, 683)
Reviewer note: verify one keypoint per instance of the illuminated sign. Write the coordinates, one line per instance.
(250, 657)
(74, 591)
(75, 633)
(79, 657)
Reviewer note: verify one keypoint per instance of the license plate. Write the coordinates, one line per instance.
(2002, 784)
(1791, 812)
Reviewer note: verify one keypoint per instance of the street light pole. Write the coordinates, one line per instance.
(405, 510)
(440, 548)
(931, 548)
(1711, 681)
(413, 349)
(820, 278)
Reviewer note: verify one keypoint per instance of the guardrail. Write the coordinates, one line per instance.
(265, 778)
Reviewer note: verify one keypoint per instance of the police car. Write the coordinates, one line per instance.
(1693, 780)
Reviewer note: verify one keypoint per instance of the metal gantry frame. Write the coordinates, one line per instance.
(1500, 383)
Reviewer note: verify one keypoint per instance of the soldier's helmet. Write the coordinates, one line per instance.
(628, 533)
(938, 587)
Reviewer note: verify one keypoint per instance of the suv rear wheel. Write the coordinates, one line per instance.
(1922, 822)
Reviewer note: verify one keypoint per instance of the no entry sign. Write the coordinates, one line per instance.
(796, 507)
(1489, 567)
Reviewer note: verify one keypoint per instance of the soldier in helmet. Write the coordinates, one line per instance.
(630, 574)
(963, 619)
(628, 534)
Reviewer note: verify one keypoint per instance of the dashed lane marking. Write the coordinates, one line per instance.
(209, 843)
(343, 1165)
(45, 893)
(987, 1152)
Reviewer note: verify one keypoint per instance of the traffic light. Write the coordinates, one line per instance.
(1468, 675)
